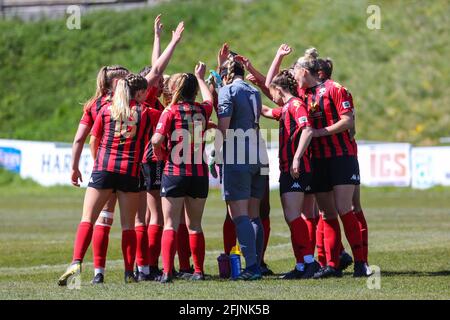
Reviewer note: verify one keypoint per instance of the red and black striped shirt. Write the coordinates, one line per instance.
(184, 125)
(151, 99)
(90, 113)
(122, 143)
(326, 103)
(293, 117)
(149, 155)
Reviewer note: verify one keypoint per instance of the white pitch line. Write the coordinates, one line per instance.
(109, 263)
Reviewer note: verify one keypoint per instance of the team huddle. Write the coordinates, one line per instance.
(147, 139)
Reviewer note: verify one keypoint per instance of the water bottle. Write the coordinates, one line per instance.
(224, 266)
(235, 262)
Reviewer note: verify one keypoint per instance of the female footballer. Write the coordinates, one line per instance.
(336, 170)
(295, 177)
(185, 181)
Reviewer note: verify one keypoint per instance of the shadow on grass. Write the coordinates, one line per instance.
(413, 273)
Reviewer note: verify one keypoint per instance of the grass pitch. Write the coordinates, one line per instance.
(409, 240)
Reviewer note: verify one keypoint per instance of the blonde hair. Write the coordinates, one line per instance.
(309, 61)
(125, 91)
(167, 95)
(105, 78)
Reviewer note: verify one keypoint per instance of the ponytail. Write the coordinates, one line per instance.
(184, 87)
(125, 91)
(120, 108)
(233, 69)
(105, 78)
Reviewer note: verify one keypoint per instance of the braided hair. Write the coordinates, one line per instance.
(105, 78)
(286, 81)
(231, 68)
(125, 91)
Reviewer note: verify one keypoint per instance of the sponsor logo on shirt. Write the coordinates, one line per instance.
(346, 105)
(303, 120)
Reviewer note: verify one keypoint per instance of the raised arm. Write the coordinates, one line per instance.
(254, 76)
(157, 39)
(222, 56)
(283, 51)
(161, 63)
(199, 72)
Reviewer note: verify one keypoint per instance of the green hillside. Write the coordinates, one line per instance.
(399, 75)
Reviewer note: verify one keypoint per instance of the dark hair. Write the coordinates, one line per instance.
(185, 87)
(145, 71)
(286, 81)
(326, 65)
(135, 83)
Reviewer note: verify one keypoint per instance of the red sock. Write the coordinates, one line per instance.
(364, 234)
(154, 232)
(229, 235)
(300, 236)
(141, 246)
(184, 251)
(320, 245)
(311, 223)
(82, 240)
(266, 225)
(353, 235)
(168, 246)
(100, 241)
(197, 244)
(298, 253)
(129, 248)
(332, 238)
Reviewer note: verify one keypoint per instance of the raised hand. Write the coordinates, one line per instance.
(284, 50)
(176, 35)
(243, 60)
(200, 70)
(222, 56)
(158, 26)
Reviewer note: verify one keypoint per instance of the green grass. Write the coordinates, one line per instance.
(398, 75)
(409, 241)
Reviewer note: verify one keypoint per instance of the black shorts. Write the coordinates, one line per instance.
(115, 181)
(330, 172)
(152, 172)
(289, 184)
(142, 182)
(184, 186)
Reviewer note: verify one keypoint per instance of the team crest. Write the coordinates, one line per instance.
(322, 91)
